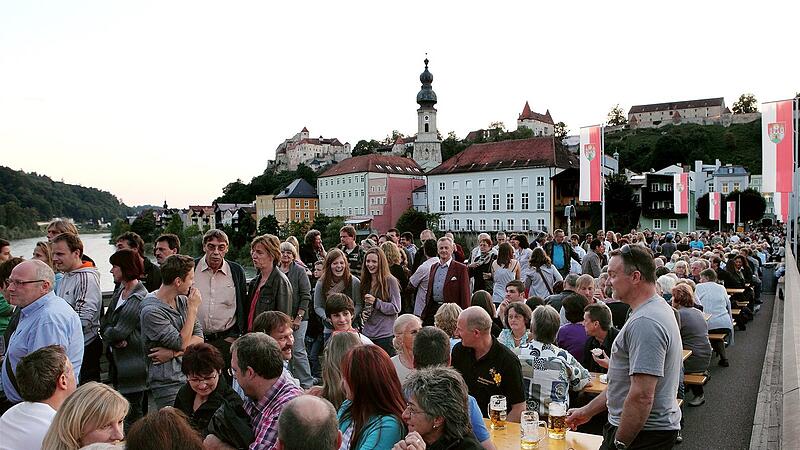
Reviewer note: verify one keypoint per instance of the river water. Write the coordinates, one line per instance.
(95, 246)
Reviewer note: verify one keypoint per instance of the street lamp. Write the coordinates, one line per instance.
(569, 213)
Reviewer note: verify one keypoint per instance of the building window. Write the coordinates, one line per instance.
(455, 184)
(724, 188)
(655, 205)
(656, 224)
(673, 224)
(442, 224)
(482, 225)
(524, 201)
(456, 205)
(526, 225)
(524, 181)
(362, 192)
(495, 202)
(668, 187)
(540, 201)
(441, 185)
(509, 182)
(540, 181)
(468, 184)
(481, 184)
(510, 225)
(540, 224)
(482, 202)
(654, 187)
(468, 203)
(297, 215)
(496, 224)
(305, 203)
(441, 204)
(736, 186)
(469, 224)
(297, 203)
(496, 182)
(306, 215)
(456, 225)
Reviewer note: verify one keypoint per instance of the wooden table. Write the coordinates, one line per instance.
(734, 290)
(686, 354)
(508, 439)
(595, 387)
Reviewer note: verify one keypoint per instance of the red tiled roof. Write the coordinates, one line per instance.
(304, 130)
(527, 114)
(375, 163)
(512, 154)
(671, 106)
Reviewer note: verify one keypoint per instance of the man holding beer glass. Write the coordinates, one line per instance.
(645, 362)
(489, 368)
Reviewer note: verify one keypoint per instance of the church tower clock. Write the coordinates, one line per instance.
(427, 146)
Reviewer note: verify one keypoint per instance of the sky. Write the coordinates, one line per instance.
(172, 100)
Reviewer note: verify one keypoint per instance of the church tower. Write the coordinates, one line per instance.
(427, 146)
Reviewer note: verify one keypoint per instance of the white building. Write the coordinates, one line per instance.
(498, 186)
(313, 152)
(541, 124)
(695, 111)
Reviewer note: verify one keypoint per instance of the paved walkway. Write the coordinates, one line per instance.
(726, 419)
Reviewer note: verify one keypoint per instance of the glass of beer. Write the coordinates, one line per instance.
(557, 420)
(497, 412)
(531, 429)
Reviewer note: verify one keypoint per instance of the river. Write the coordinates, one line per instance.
(95, 246)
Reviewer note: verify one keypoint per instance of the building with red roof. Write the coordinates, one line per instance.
(313, 152)
(541, 124)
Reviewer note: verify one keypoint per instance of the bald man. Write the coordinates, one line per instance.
(316, 417)
(488, 367)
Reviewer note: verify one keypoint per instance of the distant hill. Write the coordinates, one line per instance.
(26, 198)
(644, 149)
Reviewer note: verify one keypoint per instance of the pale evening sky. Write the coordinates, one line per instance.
(174, 99)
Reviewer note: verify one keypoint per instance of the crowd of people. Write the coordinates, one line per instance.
(372, 345)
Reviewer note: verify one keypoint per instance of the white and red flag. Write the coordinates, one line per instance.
(777, 155)
(714, 206)
(591, 157)
(781, 202)
(680, 190)
(731, 212)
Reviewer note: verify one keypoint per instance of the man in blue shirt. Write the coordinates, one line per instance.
(45, 319)
(560, 253)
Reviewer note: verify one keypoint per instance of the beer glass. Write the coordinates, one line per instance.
(532, 430)
(557, 420)
(497, 412)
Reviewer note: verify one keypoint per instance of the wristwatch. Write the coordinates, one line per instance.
(619, 445)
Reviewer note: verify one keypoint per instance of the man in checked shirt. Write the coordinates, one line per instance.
(257, 365)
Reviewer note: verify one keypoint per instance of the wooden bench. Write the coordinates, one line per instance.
(735, 312)
(742, 304)
(716, 336)
(697, 379)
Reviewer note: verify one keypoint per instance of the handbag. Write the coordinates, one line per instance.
(231, 424)
(546, 284)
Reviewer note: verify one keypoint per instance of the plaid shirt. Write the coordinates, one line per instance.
(264, 413)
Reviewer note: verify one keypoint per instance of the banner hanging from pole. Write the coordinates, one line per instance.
(714, 205)
(680, 189)
(591, 164)
(781, 202)
(731, 213)
(777, 152)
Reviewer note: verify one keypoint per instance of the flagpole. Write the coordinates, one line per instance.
(603, 176)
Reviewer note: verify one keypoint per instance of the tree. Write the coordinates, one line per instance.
(268, 225)
(560, 130)
(749, 204)
(330, 232)
(617, 116)
(415, 221)
(389, 140)
(621, 210)
(364, 147)
(175, 226)
(145, 225)
(497, 125)
(747, 103)
(118, 227)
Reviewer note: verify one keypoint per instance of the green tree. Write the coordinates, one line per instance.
(145, 225)
(415, 221)
(497, 125)
(747, 103)
(268, 225)
(621, 210)
(390, 139)
(118, 227)
(364, 147)
(175, 226)
(560, 130)
(330, 232)
(617, 116)
(749, 204)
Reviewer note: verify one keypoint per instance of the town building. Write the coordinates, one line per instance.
(313, 152)
(297, 202)
(540, 124)
(756, 182)
(370, 188)
(202, 217)
(657, 197)
(729, 178)
(498, 186)
(227, 214)
(419, 198)
(427, 145)
(655, 114)
(265, 206)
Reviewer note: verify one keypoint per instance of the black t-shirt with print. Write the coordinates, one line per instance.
(497, 373)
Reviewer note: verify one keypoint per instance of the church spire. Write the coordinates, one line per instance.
(426, 97)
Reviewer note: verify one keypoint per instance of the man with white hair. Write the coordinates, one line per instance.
(45, 319)
(488, 367)
(448, 282)
(476, 252)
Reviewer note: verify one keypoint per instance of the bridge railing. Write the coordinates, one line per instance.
(790, 420)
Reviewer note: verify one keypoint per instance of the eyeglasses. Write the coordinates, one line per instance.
(411, 410)
(12, 282)
(206, 380)
(625, 251)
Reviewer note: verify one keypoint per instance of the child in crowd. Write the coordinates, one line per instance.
(339, 309)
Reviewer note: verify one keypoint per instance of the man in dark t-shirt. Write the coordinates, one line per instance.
(597, 322)
(488, 367)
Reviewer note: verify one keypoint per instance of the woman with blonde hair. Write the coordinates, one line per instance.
(398, 267)
(336, 279)
(332, 389)
(381, 293)
(93, 413)
(446, 318)
(44, 253)
(405, 330)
